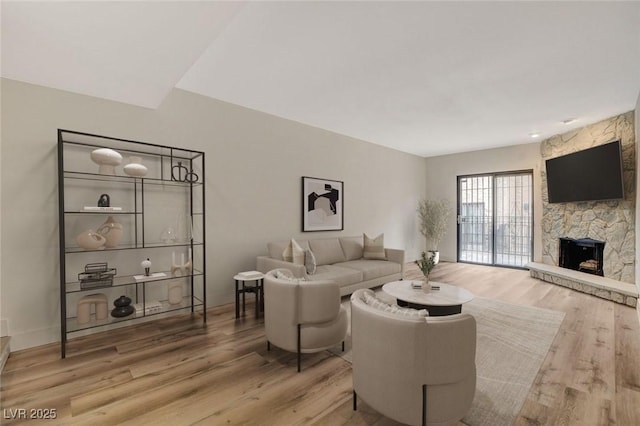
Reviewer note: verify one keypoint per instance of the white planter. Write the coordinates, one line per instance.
(107, 160)
(135, 167)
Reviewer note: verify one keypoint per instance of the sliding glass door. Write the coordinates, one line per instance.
(495, 218)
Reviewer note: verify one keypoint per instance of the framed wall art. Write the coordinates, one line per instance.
(322, 204)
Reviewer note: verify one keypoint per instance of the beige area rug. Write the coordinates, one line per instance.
(513, 341)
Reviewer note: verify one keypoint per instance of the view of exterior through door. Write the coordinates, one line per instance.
(495, 218)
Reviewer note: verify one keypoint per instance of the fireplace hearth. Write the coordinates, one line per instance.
(584, 255)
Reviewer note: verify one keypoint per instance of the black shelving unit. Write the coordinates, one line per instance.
(172, 193)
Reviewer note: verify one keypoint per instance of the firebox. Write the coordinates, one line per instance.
(584, 254)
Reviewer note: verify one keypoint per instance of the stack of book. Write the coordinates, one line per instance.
(149, 308)
(251, 275)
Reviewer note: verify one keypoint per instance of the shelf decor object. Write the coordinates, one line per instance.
(90, 240)
(111, 231)
(107, 160)
(322, 204)
(135, 167)
(148, 198)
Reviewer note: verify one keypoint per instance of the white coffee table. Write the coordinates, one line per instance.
(447, 300)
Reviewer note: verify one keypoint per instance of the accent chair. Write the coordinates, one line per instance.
(302, 316)
(410, 368)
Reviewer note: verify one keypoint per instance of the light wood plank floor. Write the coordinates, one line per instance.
(175, 372)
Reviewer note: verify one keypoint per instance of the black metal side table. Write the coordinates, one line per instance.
(242, 288)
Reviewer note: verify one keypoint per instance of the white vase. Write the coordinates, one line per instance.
(106, 159)
(175, 292)
(111, 231)
(426, 287)
(135, 167)
(90, 240)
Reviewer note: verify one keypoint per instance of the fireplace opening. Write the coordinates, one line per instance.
(584, 254)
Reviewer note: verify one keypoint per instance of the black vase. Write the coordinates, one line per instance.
(122, 308)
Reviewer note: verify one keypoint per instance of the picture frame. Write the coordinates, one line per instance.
(322, 204)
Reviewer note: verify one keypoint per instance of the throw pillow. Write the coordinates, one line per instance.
(293, 253)
(285, 275)
(371, 300)
(310, 262)
(374, 248)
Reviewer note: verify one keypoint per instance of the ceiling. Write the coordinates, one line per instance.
(427, 78)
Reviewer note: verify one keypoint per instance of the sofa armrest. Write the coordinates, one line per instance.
(396, 255)
(265, 264)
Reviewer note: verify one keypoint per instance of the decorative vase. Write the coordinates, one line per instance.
(122, 308)
(135, 167)
(175, 292)
(426, 287)
(111, 231)
(106, 159)
(168, 235)
(90, 240)
(435, 254)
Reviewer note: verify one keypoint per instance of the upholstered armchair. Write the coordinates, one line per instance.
(412, 369)
(302, 316)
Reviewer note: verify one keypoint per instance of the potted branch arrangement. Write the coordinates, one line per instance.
(426, 264)
(433, 215)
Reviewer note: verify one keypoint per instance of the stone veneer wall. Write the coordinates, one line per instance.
(610, 221)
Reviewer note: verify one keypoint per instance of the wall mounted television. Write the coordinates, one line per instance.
(592, 174)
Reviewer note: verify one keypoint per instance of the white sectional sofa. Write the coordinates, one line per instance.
(339, 259)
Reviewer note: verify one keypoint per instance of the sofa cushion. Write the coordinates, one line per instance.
(352, 247)
(372, 269)
(374, 247)
(293, 252)
(276, 248)
(327, 251)
(310, 262)
(342, 276)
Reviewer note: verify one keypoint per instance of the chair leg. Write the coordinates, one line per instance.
(299, 348)
(268, 345)
(343, 346)
(424, 405)
(355, 401)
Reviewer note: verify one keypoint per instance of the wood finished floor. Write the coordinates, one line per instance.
(175, 372)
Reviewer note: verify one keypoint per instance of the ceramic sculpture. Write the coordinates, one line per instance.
(135, 167)
(111, 231)
(90, 240)
(106, 159)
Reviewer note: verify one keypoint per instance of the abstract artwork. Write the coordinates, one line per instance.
(322, 204)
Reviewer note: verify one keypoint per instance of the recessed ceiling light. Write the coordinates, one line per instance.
(534, 135)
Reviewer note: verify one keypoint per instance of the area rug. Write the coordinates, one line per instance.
(512, 343)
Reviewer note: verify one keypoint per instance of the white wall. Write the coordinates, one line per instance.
(254, 164)
(442, 173)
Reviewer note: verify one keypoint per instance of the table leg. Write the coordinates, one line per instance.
(237, 301)
(243, 299)
(262, 295)
(257, 289)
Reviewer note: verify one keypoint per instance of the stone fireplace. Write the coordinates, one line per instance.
(609, 222)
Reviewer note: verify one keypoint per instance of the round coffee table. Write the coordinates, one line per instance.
(447, 300)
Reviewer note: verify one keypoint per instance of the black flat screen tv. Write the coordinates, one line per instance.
(592, 174)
